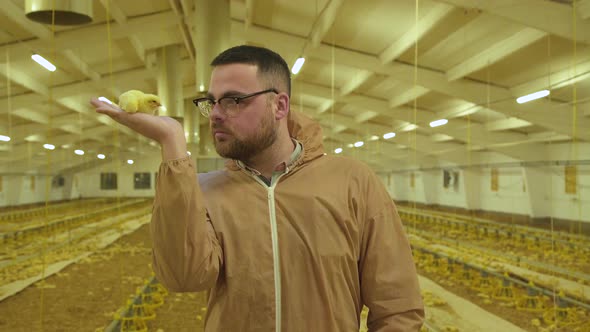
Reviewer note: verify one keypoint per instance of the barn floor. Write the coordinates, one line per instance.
(84, 296)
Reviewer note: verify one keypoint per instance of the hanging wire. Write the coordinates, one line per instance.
(575, 112)
(551, 211)
(332, 80)
(116, 140)
(9, 103)
(48, 170)
(469, 150)
(116, 136)
(83, 204)
(415, 106)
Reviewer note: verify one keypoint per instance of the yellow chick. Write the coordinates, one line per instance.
(136, 101)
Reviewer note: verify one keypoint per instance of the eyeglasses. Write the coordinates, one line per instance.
(229, 104)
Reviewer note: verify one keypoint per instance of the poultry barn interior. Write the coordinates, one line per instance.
(493, 191)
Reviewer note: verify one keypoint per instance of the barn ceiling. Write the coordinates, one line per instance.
(372, 67)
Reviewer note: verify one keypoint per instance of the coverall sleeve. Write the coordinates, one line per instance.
(187, 256)
(389, 281)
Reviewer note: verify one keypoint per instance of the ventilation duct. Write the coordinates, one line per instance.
(67, 12)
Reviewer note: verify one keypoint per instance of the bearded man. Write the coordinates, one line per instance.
(285, 238)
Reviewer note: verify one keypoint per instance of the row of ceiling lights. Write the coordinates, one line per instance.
(52, 147)
(436, 123)
(361, 143)
(295, 69)
(51, 67)
(81, 153)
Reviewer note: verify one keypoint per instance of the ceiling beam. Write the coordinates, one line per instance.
(459, 129)
(460, 111)
(422, 27)
(20, 132)
(408, 96)
(32, 115)
(40, 31)
(555, 80)
(365, 116)
(506, 124)
(324, 22)
(352, 84)
(148, 24)
(333, 120)
(249, 16)
(495, 53)
(548, 16)
(81, 65)
(24, 80)
(17, 15)
(124, 79)
(539, 112)
(121, 19)
(187, 39)
(583, 8)
(412, 148)
(68, 102)
(114, 12)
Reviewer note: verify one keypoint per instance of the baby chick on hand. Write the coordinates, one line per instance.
(136, 101)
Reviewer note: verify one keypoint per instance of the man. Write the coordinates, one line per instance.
(286, 238)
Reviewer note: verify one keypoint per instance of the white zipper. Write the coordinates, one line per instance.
(274, 234)
(275, 244)
(275, 254)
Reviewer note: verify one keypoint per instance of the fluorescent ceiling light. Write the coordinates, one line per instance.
(338, 150)
(201, 88)
(105, 100)
(297, 66)
(79, 152)
(130, 162)
(373, 138)
(440, 122)
(359, 144)
(100, 156)
(532, 96)
(389, 135)
(43, 62)
(49, 146)
(4, 138)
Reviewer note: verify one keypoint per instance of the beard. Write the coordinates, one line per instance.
(246, 148)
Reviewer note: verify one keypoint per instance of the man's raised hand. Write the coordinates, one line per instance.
(162, 129)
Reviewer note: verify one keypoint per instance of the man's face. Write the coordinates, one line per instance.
(253, 128)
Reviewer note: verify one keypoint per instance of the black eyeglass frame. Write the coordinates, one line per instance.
(236, 99)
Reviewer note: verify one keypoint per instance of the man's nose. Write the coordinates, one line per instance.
(216, 113)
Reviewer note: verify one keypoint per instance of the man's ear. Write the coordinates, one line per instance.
(282, 106)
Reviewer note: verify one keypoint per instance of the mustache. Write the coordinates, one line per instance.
(215, 126)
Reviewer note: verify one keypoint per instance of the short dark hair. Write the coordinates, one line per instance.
(270, 64)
